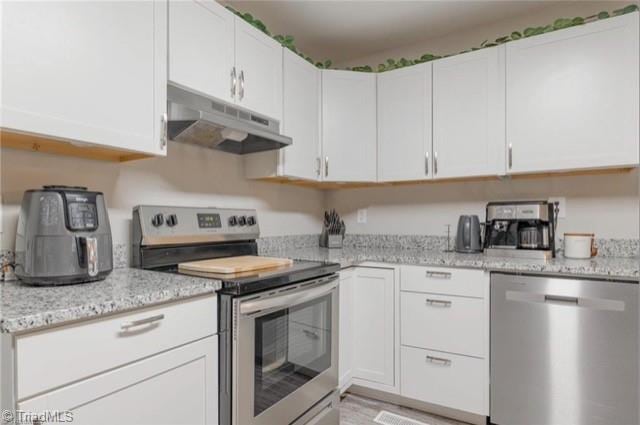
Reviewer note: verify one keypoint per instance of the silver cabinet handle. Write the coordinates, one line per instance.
(234, 82)
(439, 360)
(310, 334)
(435, 163)
(164, 121)
(241, 91)
(561, 299)
(441, 275)
(146, 321)
(326, 166)
(318, 166)
(510, 155)
(442, 303)
(426, 163)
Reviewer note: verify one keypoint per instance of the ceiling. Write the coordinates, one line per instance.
(343, 30)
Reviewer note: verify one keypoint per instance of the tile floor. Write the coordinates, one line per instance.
(357, 410)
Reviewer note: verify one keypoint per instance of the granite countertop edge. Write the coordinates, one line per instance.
(136, 292)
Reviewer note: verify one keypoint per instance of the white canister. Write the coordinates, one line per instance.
(579, 245)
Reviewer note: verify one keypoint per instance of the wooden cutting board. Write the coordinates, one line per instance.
(245, 263)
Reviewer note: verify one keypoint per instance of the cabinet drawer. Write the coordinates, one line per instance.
(457, 382)
(440, 280)
(440, 322)
(44, 358)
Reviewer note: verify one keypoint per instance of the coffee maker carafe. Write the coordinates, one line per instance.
(523, 229)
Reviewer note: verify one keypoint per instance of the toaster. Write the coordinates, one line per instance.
(63, 237)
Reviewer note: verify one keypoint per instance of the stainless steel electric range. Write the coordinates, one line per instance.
(278, 328)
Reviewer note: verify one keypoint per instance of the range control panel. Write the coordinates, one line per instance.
(162, 225)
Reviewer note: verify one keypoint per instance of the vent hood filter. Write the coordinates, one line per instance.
(206, 122)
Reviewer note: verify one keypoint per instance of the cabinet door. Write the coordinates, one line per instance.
(572, 98)
(259, 67)
(345, 363)
(404, 124)
(374, 326)
(349, 126)
(301, 117)
(469, 114)
(92, 72)
(201, 47)
(179, 386)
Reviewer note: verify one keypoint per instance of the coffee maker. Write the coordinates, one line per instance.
(524, 229)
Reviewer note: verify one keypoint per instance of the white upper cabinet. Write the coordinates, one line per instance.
(348, 126)
(216, 53)
(404, 124)
(469, 114)
(300, 121)
(572, 98)
(92, 72)
(202, 47)
(301, 117)
(259, 68)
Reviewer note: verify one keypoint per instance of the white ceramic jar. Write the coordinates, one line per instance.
(579, 245)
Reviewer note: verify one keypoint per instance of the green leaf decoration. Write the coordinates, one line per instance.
(288, 41)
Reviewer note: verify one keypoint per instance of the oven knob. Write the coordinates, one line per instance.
(242, 220)
(251, 220)
(157, 220)
(233, 220)
(172, 220)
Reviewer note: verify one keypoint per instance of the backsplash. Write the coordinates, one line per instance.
(620, 248)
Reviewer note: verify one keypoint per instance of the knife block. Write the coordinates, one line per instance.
(330, 241)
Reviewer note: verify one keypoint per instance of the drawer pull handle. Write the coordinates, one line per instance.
(441, 275)
(441, 303)
(439, 360)
(146, 321)
(310, 334)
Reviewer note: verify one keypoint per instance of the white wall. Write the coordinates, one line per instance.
(607, 205)
(463, 40)
(188, 176)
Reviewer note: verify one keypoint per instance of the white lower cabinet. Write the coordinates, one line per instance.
(446, 379)
(176, 387)
(345, 358)
(374, 327)
(149, 366)
(444, 356)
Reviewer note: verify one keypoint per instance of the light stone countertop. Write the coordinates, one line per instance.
(613, 268)
(24, 307)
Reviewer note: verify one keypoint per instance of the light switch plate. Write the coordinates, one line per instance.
(562, 204)
(362, 216)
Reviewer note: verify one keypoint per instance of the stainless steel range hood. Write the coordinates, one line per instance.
(208, 122)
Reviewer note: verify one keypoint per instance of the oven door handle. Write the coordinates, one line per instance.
(288, 300)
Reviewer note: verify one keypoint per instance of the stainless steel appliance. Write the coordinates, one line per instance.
(563, 351)
(468, 238)
(523, 229)
(211, 123)
(63, 237)
(278, 340)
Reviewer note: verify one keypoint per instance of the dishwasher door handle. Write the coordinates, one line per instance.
(561, 299)
(565, 300)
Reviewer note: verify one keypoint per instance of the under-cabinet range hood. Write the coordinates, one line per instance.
(208, 122)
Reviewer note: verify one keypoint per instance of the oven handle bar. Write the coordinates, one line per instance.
(288, 300)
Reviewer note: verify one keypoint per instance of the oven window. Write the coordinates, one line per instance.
(293, 346)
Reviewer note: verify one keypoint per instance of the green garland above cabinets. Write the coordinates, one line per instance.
(288, 41)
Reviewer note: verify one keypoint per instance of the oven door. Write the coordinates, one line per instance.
(285, 352)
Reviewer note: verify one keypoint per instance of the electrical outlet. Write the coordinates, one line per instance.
(562, 205)
(362, 216)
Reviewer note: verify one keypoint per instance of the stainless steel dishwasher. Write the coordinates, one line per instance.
(563, 351)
